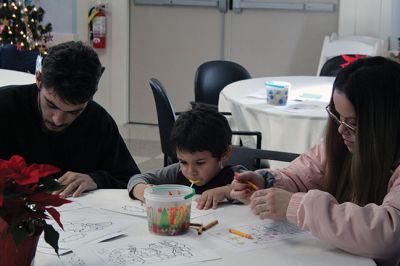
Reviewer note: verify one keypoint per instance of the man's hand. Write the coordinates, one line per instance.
(75, 184)
(210, 198)
(271, 203)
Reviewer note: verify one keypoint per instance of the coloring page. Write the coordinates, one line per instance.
(74, 205)
(71, 259)
(84, 226)
(263, 233)
(152, 250)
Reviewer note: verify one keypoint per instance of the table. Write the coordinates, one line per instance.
(12, 77)
(296, 251)
(292, 128)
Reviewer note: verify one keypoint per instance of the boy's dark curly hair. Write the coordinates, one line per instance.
(201, 129)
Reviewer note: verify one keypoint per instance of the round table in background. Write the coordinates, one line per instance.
(12, 77)
(295, 127)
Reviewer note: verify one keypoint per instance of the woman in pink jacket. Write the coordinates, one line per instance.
(345, 190)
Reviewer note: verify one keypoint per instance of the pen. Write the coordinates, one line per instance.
(238, 233)
(208, 226)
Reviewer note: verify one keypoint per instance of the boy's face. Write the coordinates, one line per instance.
(199, 167)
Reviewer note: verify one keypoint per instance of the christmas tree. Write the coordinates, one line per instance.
(21, 25)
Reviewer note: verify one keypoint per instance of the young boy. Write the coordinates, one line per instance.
(201, 138)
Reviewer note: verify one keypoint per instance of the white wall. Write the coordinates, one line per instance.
(395, 26)
(64, 27)
(375, 18)
(113, 90)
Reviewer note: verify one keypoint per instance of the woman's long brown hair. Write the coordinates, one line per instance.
(372, 85)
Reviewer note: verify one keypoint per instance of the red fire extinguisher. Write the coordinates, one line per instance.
(98, 26)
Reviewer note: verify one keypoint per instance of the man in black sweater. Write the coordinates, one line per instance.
(55, 121)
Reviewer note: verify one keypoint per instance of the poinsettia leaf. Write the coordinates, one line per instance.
(2, 187)
(56, 215)
(18, 234)
(40, 170)
(51, 236)
(38, 215)
(17, 161)
(43, 199)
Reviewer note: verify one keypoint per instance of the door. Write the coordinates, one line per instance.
(170, 41)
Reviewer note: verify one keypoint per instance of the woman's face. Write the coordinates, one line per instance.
(347, 114)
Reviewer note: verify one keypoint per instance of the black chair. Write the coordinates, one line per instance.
(252, 158)
(212, 76)
(166, 118)
(20, 60)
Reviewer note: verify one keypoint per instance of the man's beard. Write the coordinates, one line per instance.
(46, 130)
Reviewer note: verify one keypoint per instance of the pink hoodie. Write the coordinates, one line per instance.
(371, 231)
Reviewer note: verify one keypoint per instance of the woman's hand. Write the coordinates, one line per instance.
(271, 203)
(241, 189)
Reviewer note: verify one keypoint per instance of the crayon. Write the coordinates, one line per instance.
(208, 226)
(238, 233)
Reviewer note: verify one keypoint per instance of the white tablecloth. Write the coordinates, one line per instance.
(291, 128)
(11, 77)
(295, 251)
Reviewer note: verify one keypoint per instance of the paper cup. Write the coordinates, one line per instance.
(168, 209)
(277, 92)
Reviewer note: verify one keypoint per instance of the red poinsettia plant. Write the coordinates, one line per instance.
(26, 199)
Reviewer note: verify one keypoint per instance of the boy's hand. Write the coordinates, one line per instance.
(138, 191)
(210, 198)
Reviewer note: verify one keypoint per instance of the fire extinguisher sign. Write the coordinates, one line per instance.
(97, 27)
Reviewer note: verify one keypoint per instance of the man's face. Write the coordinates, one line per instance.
(56, 114)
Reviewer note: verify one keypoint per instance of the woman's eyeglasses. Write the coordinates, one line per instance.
(337, 120)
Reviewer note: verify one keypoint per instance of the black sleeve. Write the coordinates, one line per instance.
(116, 163)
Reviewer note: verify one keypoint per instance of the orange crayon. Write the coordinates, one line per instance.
(251, 184)
(238, 233)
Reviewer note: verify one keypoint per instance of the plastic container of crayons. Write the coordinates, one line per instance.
(168, 209)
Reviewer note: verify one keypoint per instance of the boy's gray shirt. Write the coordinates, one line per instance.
(165, 175)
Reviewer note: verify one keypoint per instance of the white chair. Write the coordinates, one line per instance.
(381, 43)
(363, 45)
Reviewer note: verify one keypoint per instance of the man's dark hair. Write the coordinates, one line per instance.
(201, 129)
(73, 71)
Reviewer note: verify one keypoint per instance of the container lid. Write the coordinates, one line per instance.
(169, 193)
(277, 84)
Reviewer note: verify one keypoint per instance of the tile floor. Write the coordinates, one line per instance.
(144, 144)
